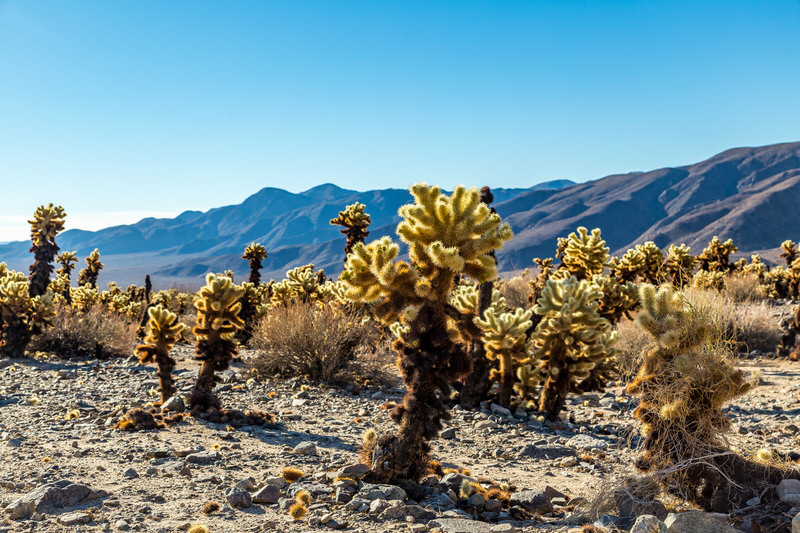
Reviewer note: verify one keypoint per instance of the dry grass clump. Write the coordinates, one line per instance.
(744, 288)
(516, 290)
(94, 333)
(630, 347)
(748, 325)
(304, 339)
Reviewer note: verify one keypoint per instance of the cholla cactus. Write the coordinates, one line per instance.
(47, 222)
(67, 261)
(355, 223)
(528, 379)
(789, 251)
(584, 254)
(301, 283)
(538, 283)
(255, 253)
(217, 321)
(163, 332)
(505, 340)
(630, 266)
(447, 237)
(571, 339)
(84, 298)
(249, 302)
(709, 280)
(756, 267)
(653, 261)
(618, 300)
(88, 276)
(716, 256)
(21, 316)
(680, 264)
(682, 389)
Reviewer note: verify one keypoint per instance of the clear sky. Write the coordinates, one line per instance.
(117, 110)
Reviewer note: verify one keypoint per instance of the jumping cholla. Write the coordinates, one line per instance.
(585, 255)
(716, 256)
(447, 236)
(355, 222)
(680, 264)
(571, 339)
(88, 276)
(47, 222)
(163, 332)
(789, 251)
(21, 316)
(255, 254)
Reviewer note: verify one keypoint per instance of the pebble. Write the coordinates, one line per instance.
(306, 448)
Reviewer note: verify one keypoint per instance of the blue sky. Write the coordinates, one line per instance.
(117, 110)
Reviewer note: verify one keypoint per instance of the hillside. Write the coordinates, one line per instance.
(747, 194)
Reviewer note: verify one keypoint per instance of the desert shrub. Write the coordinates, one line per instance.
(96, 332)
(747, 325)
(631, 344)
(311, 340)
(744, 288)
(517, 290)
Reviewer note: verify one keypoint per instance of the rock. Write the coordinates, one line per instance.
(394, 511)
(586, 443)
(378, 506)
(246, 484)
(277, 481)
(354, 471)
(532, 501)
(460, 525)
(484, 424)
(503, 528)
(53, 496)
(453, 481)
(131, 473)
(477, 501)
(306, 448)
(174, 405)
(203, 458)
(73, 519)
(493, 506)
(238, 498)
(371, 492)
(632, 507)
(648, 523)
(121, 525)
(317, 490)
(448, 433)
(796, 523)
(568, 462)
(501, 411)
(697, 522)
(267, 494)
(342, 495)
(788, 491)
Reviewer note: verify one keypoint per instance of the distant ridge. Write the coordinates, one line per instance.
(747, 194)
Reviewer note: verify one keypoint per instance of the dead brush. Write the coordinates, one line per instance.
(307, 339)
(747, 325)
(744, 288)
(95, 333)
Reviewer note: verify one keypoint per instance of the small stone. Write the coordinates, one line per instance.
(417, 528)
(73, 519)
(121, 525)
(501, 411)
(306, 448)
(203, 458)
(246, 484)
(477, 500)
(697, 522)
(131, 473)
(56, 495)
(277, 481)
(174, 405)
(493, 506)
(448, 433)
(788, 490)
(378, 506)
(460, 525)
(267, 494)
(354, 471)
(485, 424)
(586, 443)
(796, 523)
(567, 462)
(532, 501)
(300, 403)
(503, 528)
(371, 491)
(342, 495)
(648, 523)
(238, 498)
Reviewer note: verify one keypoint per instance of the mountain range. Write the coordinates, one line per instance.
(747, 194)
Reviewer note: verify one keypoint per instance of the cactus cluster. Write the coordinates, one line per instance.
(163, 332)
(255, 254)
(21, 315)
(447, 236)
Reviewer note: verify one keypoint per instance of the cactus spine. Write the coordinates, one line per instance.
(47, 222)
(446, 236)
(164, 330)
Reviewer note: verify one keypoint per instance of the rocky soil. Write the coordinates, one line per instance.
(64, 469)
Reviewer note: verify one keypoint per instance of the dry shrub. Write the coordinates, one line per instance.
(744, 288)
(317, 341)
(631, 345)
(748, 325)
(516, 290)
(95, 333)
